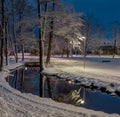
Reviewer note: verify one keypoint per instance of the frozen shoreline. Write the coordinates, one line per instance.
(15, 104)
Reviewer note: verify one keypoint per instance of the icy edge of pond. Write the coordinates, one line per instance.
(110, 88)
(16, 104)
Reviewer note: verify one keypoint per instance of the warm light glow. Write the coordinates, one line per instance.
(83, 38)
(25, 68)
(80, 38)
(69, 81)
(82, 102)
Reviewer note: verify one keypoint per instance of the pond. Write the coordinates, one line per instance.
(28, 80)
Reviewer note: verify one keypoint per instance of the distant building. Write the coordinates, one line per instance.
(108, 49)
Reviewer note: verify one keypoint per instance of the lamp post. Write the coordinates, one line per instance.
(71, 47)
(84, 41)
(84, 49)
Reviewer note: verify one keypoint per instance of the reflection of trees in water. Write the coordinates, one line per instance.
(24, 79)
(62, 91)
(30, 81)
(62, 86)
(31, 71)
(73, 97)
(16, 78)
(50, 90)
(41, 85)
(35, 69)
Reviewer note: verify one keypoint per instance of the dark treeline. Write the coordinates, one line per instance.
(48, 27)
(36, 27)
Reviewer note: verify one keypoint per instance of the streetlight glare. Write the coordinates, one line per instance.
(69, 81)
(82, 102)
(83, 38)
(80, 38)
(84, 46)
(25, 68)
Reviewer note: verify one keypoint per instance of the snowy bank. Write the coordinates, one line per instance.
(96, 74)
(16, 104)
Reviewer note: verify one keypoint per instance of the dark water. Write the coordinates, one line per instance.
(29, 81)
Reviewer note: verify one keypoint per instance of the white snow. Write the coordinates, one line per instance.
(16, 104)
(94, 68)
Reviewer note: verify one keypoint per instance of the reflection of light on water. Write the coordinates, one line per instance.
(82, 102)
(25, 68)
(69, 81)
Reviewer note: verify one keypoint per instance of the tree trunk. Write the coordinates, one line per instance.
(2, 38)
(50, 44)
(49, 48)
(40, 41)
(114, 48)
(6, 41)
(21, 39)
(13, 30)
(1, 48)
(50, 38)
(115, 41)
(23, 48)
(63, 51)
(68, 52)
(42, 36)
(86, 43)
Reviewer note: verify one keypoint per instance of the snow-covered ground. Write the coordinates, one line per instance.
(15, 104)
(94, 67)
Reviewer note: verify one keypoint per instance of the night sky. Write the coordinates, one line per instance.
(106, 11)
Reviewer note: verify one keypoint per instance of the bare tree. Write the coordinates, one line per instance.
(87, 32)
(50, 36)
(69, 29)
(13, 29)
(2, 33)
(115, 32)
(41, 35)
(97, 37)
(23, 12)
(6, 41)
